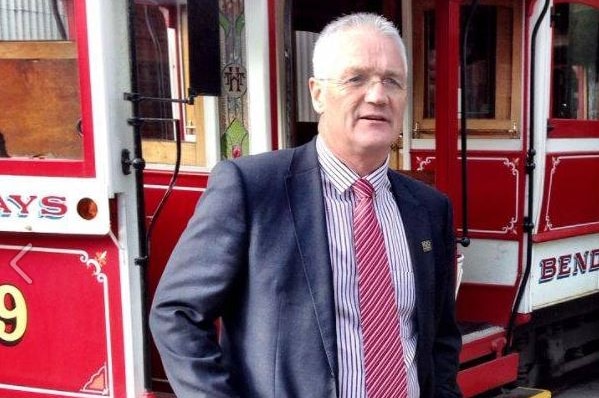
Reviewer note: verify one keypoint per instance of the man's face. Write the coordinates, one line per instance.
(362, 100)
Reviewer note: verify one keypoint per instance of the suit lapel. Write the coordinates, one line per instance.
(417, 226)
(304, 192)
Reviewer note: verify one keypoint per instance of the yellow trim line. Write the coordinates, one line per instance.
(523, 392)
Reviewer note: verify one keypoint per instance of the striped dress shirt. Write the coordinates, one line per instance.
(337, 180)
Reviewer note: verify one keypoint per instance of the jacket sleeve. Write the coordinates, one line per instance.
(448, 339)
(194, 288)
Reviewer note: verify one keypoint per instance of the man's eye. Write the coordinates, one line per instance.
(391, 82)
(355, 80)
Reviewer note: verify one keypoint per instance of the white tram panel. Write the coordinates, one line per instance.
(53, 205)
(489, 261)
(564, 270)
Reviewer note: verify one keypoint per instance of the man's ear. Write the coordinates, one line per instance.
(317, 94)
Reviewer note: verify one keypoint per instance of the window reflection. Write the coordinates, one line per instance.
(481, 59)
(35, 20)
(40, 93)
(162, 42)
(576, 62)
(153, 68)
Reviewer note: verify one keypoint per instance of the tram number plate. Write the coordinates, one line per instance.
(13, 315)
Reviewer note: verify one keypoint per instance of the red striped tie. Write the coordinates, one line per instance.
(385, 370)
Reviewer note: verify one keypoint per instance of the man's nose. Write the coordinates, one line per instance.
(375, 92)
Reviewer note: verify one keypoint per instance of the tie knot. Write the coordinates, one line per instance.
(363, 189)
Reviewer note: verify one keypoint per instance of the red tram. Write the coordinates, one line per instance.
(112, 114)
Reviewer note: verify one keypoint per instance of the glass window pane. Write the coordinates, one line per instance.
(153, 69)
(481, 60)
(162, 43)
(40, 93)
(576, 62)
(35, 20)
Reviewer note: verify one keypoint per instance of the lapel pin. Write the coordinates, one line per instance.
(427, 245)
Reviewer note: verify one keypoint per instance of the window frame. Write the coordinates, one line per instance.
(84, 167)
(485, 128)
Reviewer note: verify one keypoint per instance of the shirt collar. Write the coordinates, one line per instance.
(341, 176)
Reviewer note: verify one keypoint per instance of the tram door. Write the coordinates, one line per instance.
(191, 72)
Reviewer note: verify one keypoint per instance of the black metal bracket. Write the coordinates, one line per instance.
(530, 161)
(127, 163)
(528, 225)
(138, 163)
(141, 261)
(137, 98)
(464, 241)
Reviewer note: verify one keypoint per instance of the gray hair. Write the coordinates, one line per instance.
(349, 22)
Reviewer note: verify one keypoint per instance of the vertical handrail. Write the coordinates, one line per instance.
(530, 167)
(142, 260)
(465, 239)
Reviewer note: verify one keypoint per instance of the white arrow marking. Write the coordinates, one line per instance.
(15, 260)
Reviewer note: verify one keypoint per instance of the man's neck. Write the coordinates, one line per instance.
(362, 165)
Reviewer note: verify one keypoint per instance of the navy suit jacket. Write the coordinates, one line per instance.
(255, 254)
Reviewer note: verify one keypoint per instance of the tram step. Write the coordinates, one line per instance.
(488, 375)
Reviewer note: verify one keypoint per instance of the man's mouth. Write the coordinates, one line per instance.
(376, 118)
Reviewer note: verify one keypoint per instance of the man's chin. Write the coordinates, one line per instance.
(374, 151)
(377, 143)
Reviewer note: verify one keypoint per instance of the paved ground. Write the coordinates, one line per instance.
(583, 383)
(584, 386)
(586, 390)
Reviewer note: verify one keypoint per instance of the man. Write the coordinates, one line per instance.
(332, 275)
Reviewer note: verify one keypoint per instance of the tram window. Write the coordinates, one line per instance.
(575, 62)
(163, 72)
(40, 92)
(480, 62)
(493, 68)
